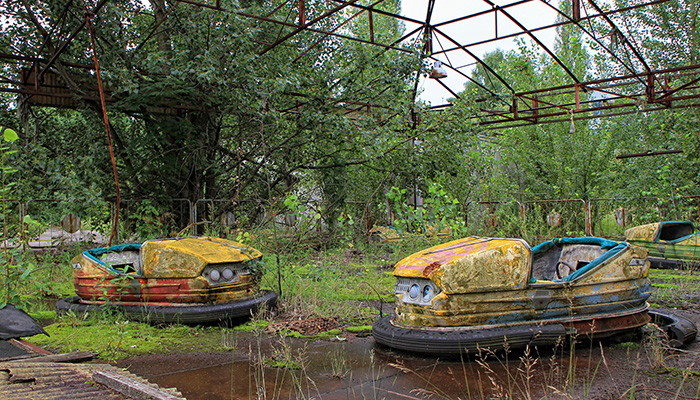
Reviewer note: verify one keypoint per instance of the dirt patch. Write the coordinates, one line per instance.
(306, 327)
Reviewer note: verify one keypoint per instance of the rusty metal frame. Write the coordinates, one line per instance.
(205, 5)
(637, 91)
(70, 38)
(536, 107)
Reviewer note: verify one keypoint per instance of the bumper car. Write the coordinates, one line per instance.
(671, 244)
(193, 280)
(477, 293)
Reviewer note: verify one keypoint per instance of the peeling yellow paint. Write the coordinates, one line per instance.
(185, 258)
(487, 281)
(168, 270)
(642, 232)
(472, 264)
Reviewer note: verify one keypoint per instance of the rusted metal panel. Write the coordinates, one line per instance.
(605, 326)
(642, 232)
(438, 260)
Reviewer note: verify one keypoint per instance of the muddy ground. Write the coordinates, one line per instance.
(348, 366)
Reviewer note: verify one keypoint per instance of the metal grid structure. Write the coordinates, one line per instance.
(442, 31)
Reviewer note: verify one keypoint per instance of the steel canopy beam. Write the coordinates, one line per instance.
(307, 25)
(289, 24)
(626, 41)
(72, 36)
(575, 21)
(646, 90)
(533, 37)
(554, 25)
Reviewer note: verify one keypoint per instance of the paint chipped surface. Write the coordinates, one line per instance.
(188, 256)
(642, 232)
(471, 264)
(485, 281)
(168, 272)
(686, 248)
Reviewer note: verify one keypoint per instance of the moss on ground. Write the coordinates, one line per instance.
(43, 314)
(113, 338)
(252, 326)
(358, 329)
(665, 285)
(670, 276)
(319, 336)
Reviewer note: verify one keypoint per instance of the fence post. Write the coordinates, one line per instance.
(521, 209)
(588, 218)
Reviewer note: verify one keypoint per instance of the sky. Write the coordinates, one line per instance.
(531, 15)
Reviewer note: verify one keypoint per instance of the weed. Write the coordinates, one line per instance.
(324, 289)
(338, 363)
(654, 344)
(674, 289)
(289, 368)
(229, 340)
(526, 369)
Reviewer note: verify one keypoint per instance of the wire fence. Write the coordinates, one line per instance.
(532, 220)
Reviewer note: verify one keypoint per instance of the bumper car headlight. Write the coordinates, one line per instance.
(428, 292)
(416, 290)
(214, 275)
(221, 274)
(227, 274)
(413, 291)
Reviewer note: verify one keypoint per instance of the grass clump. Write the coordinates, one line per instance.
(675, 288)
(665, 285)
(630, 345)
(337, 284)
(668, 276)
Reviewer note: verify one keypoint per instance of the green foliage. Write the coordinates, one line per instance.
(15, 269)
(669, 35)
(440, 211)
(209, 118)
(146, 221)
(326, 284)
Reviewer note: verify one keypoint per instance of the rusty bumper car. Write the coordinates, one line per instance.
(191, 280)
(671, 244)
(477, 293)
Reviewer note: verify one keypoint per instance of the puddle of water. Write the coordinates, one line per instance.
(343, 370)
